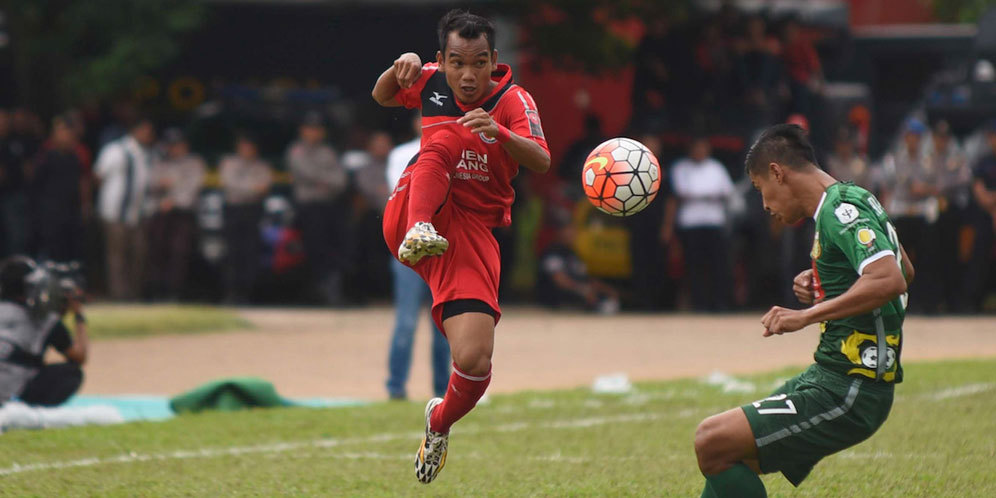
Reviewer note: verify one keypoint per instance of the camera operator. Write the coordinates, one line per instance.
(32, 302)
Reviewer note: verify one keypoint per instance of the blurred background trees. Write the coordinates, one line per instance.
(66, 52)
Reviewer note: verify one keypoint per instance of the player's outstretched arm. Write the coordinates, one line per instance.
(402, 74)
(880, 283)
(526, 152)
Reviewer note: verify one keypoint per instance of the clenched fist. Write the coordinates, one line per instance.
(804, 287)
(407, 69)
(479, 121)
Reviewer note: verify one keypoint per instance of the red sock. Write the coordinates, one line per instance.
(431, 174)
(460, 399)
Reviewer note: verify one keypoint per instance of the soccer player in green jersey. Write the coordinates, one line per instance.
(856, 291)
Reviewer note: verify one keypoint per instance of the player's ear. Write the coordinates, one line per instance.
(494, 60)
(776, 172)
(439, 59)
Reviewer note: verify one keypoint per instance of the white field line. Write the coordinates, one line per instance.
(880, 455)
(299, 446)
(965, 390)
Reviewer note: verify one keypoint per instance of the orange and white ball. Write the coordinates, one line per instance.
(621, 176)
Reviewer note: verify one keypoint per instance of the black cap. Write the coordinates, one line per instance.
(13, 271)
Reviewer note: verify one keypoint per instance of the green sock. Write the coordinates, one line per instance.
(737, 481)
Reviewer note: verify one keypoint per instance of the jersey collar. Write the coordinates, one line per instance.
(820, 206)
(502, 76)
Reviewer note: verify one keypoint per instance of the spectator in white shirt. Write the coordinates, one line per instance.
(697, 215)
(123, 170)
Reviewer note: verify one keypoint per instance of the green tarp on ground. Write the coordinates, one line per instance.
(236, 393)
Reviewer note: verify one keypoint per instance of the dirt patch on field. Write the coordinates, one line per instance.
(343, 353)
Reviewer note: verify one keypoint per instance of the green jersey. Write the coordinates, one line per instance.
(852, 230)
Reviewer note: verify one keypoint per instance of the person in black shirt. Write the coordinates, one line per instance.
(56, 196)
(564, 280)
(12, 198)
(28, 326)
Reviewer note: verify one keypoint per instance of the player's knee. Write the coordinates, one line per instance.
(706, 447)
(475, 362)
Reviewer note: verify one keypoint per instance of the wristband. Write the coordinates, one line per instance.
(79, 317)
(504, 135)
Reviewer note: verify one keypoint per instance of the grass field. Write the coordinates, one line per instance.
(131, 320)
(939, 441)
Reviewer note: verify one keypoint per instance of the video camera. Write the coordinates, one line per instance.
(51, 285)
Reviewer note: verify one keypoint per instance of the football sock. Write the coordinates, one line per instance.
(737, 481)
(430, 182)
(461, 396)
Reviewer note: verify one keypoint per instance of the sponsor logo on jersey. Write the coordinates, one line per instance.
(865, 236)
(817, 248)
(473, 165)
(862, 350)
(869, 357)
(437, 98)
(486, 139)
(535, 128)
(473, 160)
(846, 213)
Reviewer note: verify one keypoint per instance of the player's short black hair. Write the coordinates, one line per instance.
(785, 144)
(468, 26)
(13, 272)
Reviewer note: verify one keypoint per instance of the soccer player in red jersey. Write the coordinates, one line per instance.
(478, 126)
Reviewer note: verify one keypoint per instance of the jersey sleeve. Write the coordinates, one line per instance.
(520, 115)
(411, 97)
(855, 228)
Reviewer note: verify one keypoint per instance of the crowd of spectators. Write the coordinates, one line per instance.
(939, 193)
(132, 216)
(128, 199)
(732, 74)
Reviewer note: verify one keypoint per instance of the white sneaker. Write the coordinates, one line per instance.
(431, 456)
(421, 240)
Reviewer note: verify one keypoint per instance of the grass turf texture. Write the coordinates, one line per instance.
(937, 442)
(111, 320)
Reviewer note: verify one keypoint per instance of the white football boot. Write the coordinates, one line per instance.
(421, 240)
(431, 456)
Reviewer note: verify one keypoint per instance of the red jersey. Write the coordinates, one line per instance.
(482, 182)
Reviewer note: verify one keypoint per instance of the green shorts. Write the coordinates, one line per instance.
(815, 414)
